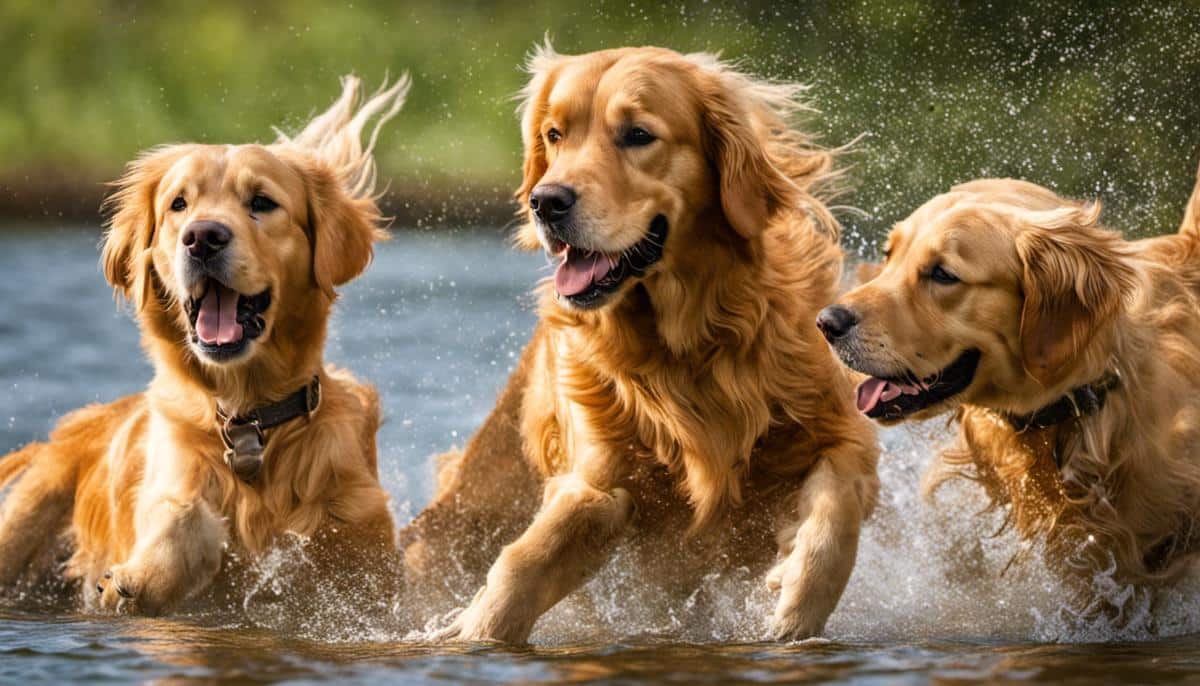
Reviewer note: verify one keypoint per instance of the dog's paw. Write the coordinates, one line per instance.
(464, 623)
(791, 622)
(115, 591)
(450, 632)
(786, 631)
(486, 620)
(128, 589)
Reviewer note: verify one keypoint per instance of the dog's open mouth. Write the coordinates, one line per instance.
(223, 321)
(587, 277)
(896, 398)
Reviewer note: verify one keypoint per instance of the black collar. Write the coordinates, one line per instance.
(1079, 402)
(243, 434)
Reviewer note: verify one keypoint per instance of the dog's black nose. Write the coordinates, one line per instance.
(203, 239)
(836, 321)
(551, 202)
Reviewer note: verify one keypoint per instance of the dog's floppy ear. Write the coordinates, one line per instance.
(342, 228)
(1075, 277)
(131, 223)
(741, 117)
(752, 188)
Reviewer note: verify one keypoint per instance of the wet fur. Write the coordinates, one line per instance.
(1077, 300)
(703, 396)
(139, 486)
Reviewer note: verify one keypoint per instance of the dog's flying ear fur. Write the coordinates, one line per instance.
(132, 221)
(339, 174)
(1076, 277)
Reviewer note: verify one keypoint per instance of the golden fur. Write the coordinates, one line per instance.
(139, 486)
(1054, 301)
(702, 378)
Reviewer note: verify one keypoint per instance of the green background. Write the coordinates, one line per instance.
(1091, 99)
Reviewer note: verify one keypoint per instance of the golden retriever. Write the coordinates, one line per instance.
(1070, 358)
(674, 353)
(230, 255)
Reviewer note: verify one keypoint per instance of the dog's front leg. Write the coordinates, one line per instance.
(569, 538)
(177, 553)
(818, 550)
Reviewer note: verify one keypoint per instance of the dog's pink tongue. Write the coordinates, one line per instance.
(579, 270)
(874, 391)
(869, 393)
(216, 324)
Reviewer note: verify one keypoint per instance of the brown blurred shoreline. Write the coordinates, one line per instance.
(42, 198)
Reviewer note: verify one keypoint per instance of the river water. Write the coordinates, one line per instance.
(436, 324)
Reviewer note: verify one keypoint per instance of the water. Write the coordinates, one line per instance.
(437, 323)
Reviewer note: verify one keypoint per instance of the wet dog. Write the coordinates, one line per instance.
(1069, 356)
(671, 371)
(230, 255)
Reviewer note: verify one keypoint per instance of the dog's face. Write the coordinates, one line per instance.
(990, 295)
(624, 151)
(239, 246)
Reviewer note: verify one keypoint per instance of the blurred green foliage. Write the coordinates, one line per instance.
(1093, 99)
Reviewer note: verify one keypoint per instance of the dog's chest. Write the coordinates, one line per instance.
(665, 416)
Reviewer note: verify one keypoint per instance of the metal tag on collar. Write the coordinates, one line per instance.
(243, 448)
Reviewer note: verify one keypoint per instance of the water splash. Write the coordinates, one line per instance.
(927, 570)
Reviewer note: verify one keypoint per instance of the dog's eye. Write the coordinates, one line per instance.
(178, 204)
(554, 135)
(940, 275)
(261, 203)
(637, 137)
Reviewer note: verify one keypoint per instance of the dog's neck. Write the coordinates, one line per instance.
(1078, 403)
(1085, 399)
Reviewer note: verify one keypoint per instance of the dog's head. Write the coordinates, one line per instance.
(230, 250)
(638, 157)
(995, 294)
